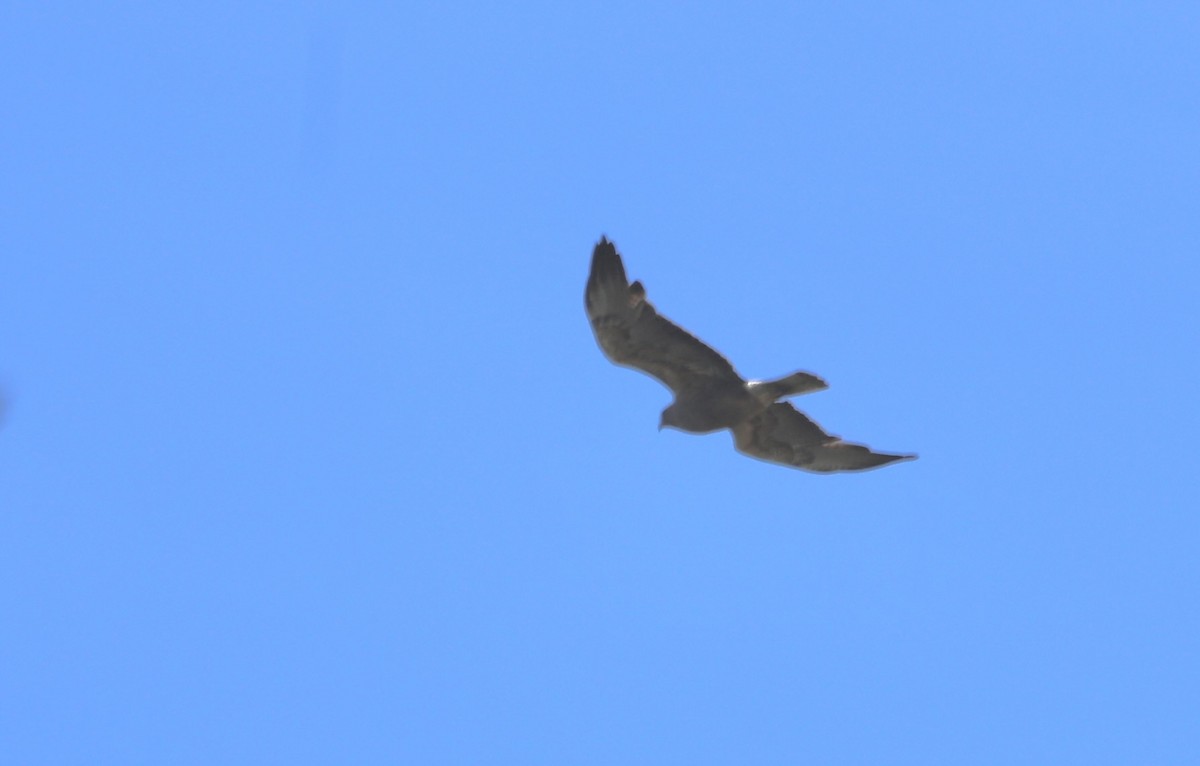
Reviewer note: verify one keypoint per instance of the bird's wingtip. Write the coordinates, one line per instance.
(606, 259)
(605, 246)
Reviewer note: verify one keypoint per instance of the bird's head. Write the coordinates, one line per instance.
(667, 419)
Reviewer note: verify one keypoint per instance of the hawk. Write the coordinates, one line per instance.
(709, 394)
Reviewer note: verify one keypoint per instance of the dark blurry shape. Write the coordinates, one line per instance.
(709, 394)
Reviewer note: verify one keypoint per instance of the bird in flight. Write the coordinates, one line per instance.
(709, 394)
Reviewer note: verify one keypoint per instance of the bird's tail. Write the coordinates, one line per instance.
(771, 391)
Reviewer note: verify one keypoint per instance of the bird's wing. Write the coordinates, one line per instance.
(632, 333)
(783, 434)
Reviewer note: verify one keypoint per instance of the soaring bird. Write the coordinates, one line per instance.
(709, 393)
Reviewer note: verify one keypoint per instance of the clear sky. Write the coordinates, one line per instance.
(310, 456)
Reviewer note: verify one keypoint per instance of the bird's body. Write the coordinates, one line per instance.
(709, 393)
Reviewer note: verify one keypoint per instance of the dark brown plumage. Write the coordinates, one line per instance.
(709, 394)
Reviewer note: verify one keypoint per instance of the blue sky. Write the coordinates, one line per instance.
(310, 456)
